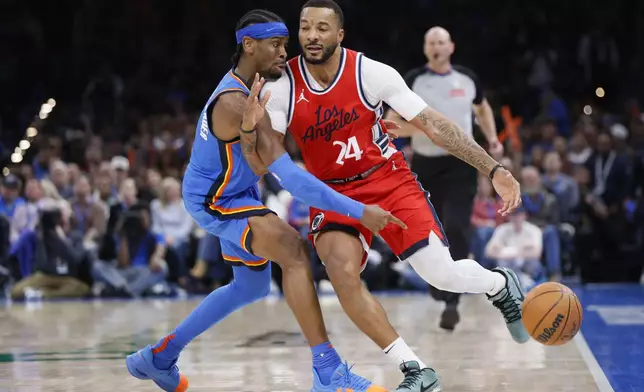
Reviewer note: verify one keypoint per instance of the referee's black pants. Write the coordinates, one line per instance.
(452, 185)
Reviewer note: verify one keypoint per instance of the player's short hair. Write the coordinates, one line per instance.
(330, 4)
(250, 18)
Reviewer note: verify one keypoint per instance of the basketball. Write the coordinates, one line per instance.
(552, 314)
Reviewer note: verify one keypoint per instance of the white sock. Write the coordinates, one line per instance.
(399, 352)
(499, 283)
(435, 265)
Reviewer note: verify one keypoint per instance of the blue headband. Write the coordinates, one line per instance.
(262, 31)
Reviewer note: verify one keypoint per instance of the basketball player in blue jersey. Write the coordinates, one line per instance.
(221, 193)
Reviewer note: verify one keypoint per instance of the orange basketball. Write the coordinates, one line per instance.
(552, 314)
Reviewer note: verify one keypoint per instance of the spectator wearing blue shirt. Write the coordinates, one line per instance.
(10, 195)
(140, 263)
(562, 186)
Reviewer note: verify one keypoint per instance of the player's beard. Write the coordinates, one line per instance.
(270, 74)
(327, 52)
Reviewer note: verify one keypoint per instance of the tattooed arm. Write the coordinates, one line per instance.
(381, 82)
(448, 135)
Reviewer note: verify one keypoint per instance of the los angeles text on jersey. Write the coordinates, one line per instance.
(327, 121)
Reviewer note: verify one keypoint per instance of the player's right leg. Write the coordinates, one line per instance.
(158, 362)
(252, 277)
(342, 250)
(274, 239)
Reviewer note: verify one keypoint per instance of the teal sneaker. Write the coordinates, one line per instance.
(509, 301)
(417, 379)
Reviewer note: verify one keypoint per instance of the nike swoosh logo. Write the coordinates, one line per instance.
(518, 285)
(424, 388)
(390, 348)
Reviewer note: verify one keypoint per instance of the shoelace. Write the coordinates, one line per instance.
(354, 381)
(411, 378)
(508, 307)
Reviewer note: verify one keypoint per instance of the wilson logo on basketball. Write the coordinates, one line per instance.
(550, 331)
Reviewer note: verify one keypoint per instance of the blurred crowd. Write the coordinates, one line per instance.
(94, 208)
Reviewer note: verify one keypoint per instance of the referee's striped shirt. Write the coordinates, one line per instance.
(451, 94)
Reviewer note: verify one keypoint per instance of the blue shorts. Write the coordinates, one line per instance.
(228, 220)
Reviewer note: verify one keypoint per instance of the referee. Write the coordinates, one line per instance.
(455, 92)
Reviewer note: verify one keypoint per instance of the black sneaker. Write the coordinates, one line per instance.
(449, 318)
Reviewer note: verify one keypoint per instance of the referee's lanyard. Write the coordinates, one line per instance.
(602, 170)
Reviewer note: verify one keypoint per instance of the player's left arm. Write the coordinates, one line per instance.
(248, 142)
(390, 87)
(386, 84)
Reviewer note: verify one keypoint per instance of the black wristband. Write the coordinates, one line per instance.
(245, 131)
(494, 169)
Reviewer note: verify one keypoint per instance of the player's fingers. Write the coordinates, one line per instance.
(390, 124)
(398, 222)
(504, 209)
(257, 84)
(511, 207)
(392, 135)
(517, 201)
(254, 90)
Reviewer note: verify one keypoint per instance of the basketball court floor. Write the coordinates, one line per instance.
(81, 346)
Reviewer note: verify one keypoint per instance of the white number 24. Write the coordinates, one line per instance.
(350, 149)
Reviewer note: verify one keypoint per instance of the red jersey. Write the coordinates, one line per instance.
(339, 133)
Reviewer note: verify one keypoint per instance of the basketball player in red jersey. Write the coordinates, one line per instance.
(330, 99)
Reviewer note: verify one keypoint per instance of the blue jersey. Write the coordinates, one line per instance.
(217, 170)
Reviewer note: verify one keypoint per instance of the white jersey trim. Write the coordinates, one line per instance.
(361, 92)
(305, 74)
(379, 136)
(291, 96)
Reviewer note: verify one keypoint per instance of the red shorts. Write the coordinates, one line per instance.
(395, 189)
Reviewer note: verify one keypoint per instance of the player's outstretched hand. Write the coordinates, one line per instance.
(389, 125)
(255, 108)
(509, 190)
(375, 219)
